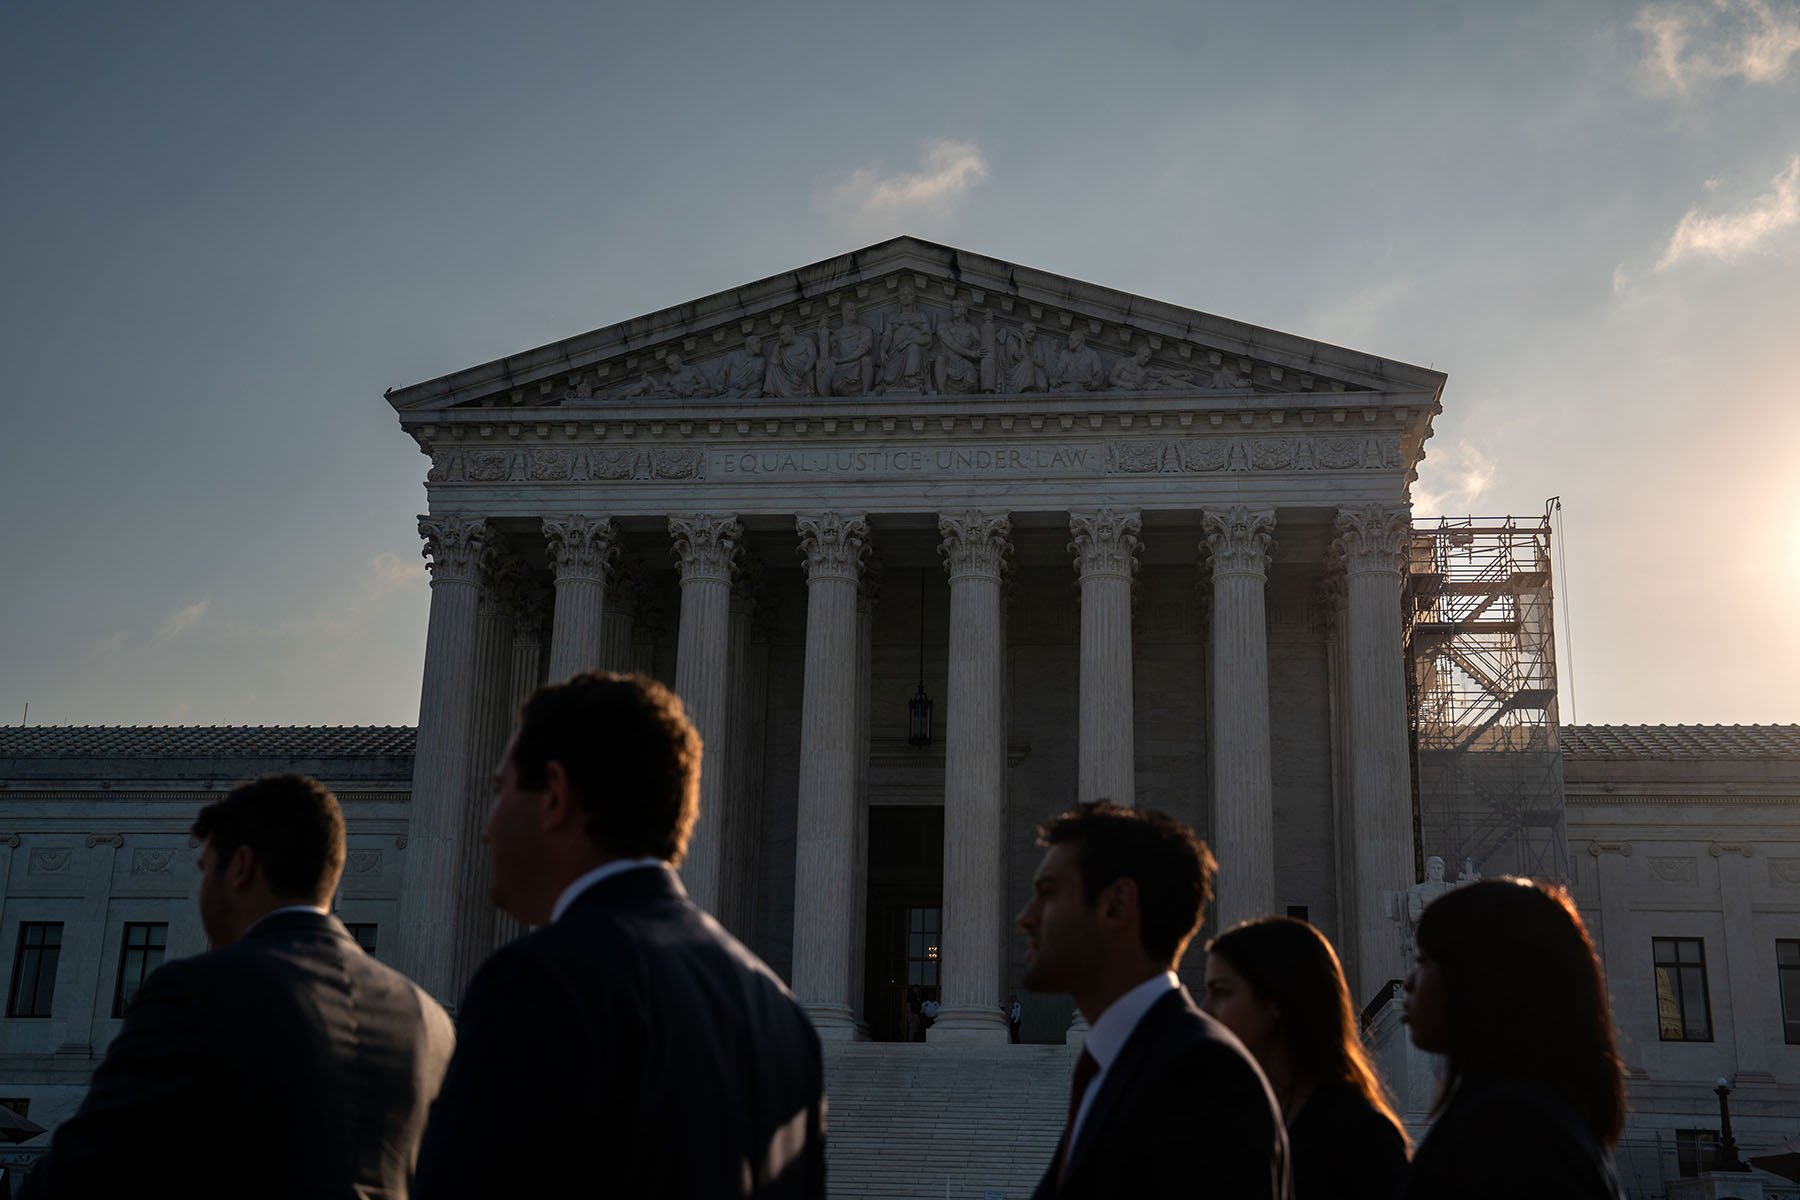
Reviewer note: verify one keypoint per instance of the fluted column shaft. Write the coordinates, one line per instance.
(866, 598)
(1243, 823)
(1372, 541)
(1105, 547)
(737, 867)
(489, 727)
(824, 908)
(706, 546)
(530, 608)
(581, 552)
(434, 854)
(619, 614)
(975, 549)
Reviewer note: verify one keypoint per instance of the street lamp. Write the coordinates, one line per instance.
(1727, 1159)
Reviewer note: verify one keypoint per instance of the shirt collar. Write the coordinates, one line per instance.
(288, 908)
(617, 866)
(1114, 1026)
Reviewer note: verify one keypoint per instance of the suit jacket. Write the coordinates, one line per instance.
(289, 1064)
(630, 1048)
(1501, 1138)
(1183, 1111)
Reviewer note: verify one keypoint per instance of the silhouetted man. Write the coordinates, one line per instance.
(285, 1062)
(1165, 1101)
(630, 1046)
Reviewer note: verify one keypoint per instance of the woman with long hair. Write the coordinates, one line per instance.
(1276, 983)
(1508, 990)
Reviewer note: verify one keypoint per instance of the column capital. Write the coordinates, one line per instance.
(1240, 538)
(581, 547)
(748, 582)
(706, 545)
(532, 605)
(975, 543)
(453, 547)
(868, 588)
(502, 576)
(1373, 537)
(832, 545)
(1105, 542)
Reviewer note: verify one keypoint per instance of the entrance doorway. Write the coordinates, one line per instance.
(906, 905)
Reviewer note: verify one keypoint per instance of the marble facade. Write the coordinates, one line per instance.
(1156, 543)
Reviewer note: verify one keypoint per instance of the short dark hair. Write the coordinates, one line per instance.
(630, 753)
(1525, 996)
(292, 824)
(1171, 866)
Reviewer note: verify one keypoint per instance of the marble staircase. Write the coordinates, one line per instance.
(922, 1121)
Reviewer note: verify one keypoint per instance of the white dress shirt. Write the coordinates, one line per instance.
(617, 866)
(1113, 1030)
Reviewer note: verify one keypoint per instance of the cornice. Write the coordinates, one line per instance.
(808, 293)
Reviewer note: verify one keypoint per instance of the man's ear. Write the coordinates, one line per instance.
(558, 808)
(1118, 902)
(241, 869)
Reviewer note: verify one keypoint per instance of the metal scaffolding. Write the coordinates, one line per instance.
(1481, 652)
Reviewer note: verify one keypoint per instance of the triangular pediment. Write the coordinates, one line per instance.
(912, 318)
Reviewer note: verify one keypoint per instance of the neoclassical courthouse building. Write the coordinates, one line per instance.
(934, 546)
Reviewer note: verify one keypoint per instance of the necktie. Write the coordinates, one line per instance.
(1086, 1067)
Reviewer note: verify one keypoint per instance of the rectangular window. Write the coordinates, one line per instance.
(1696, 1151)
(364, 935)
(34, 969)
(140, 954)
(1683, 1007)
(1787, 970)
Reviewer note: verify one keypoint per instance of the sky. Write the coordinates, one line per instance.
(227, 228)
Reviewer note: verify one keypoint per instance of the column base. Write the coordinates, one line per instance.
(969, 1025)
(836, 1023)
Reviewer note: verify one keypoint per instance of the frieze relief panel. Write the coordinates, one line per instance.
(1674, 870)
(910, 335)
(1298, 453)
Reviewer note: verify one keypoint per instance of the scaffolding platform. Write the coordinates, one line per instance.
(1481, 684)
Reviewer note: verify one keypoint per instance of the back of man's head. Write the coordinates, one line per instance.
(293, 827)
(1171, 866)
(631, 756)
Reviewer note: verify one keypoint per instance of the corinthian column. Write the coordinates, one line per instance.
(581, 551)
(706, 546)
(1105, 549)
(489, 727)
(975, 549)
(434, 856)
(531, 605)
(824, 908)
(1372, 540)
(1243, 795)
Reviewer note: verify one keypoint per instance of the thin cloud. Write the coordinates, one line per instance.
(1452, 480)
(107, 645)
(182, 620)
(948, 171)
(1729, 236)
(390, 571)
(1698, 41)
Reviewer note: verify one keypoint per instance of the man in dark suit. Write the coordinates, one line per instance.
(629, 1046)
(285, 1062)
(1165, 1101)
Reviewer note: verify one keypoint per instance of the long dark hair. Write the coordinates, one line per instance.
(1291, 965)
(1524, 996)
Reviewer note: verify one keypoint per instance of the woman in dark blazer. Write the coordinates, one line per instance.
(1508, 989)
(1276, 983)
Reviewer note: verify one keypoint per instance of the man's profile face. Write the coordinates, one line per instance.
(513, 835)
(1063, 933)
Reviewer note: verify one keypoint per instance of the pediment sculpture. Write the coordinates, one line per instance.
(909, 347)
